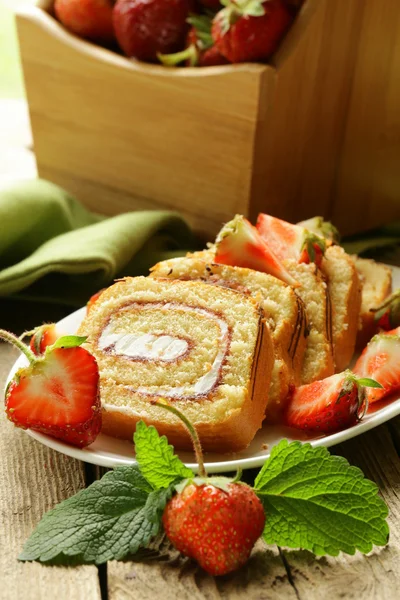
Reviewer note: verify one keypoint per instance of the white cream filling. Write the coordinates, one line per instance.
(147, 346)
(167, 348)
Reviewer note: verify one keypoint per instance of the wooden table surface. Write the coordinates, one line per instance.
(34, 478)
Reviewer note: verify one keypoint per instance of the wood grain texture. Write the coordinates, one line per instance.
(375, 576)
(369, 175)
(33, 479)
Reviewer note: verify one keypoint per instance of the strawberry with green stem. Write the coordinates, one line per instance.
(41, 337)
(57, 393)
(250, 30)
(331, 404)
(290, 241)
(200, 50)
(239, 244)
(387, 315)
(381, 361)
(215, 520)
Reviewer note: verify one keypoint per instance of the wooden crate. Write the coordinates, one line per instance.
(306, 135)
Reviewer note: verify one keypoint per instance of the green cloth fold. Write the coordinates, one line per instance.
(375, 243)
(53, 249)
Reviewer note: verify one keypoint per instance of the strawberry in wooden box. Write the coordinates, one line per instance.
(126, 134)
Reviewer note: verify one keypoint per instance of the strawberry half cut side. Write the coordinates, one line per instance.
(239, 244)
(329, 405)
(291, 241)
(381, 361)
(58, 393)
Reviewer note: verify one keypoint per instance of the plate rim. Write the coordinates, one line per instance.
(92, 456)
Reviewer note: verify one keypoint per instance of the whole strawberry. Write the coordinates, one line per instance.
(250, 30)
(387, 315)
(42, 337)
(145, 28)
(216, 527)
(200, 50)
(90, 19)
(57, 393)
(214, 520)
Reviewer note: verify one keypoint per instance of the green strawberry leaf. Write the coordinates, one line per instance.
(67, 341)
(109, 520)
(368, 382)
(319, 502)
(156, 458)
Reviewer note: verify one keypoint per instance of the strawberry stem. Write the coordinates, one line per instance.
(9, 337)
(192, 432)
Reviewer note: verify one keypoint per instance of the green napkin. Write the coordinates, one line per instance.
(381, 243)
(53, 249)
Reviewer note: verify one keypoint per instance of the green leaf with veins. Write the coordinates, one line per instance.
(319, 502)
(109, 520)
(158, 463)
(67, 341)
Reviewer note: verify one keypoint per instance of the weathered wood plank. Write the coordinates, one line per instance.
(33, 479)
(372, 577)
(264, 577)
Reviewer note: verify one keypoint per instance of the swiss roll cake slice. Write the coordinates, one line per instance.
(202, 348)
(284, 311)
(318, 359)
(345, 293)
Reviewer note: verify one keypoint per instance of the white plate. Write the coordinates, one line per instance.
(111, 452)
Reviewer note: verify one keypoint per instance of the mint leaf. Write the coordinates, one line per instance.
(319, 502)
(156, 458)
(68, 341)
(109, 520)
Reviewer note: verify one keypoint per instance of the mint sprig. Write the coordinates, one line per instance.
(312, 500)
(158, 463)
(319, 502)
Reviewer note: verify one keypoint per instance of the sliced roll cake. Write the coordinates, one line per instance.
(284, 311)
(345, 293)
(203, 348)
(318, 358)
(376, 286)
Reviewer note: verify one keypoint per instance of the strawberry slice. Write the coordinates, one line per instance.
(329, 405)
(387, 315)
(291, 241)
(381, 361)
(239, 244)
(58, 393)
(42, 337)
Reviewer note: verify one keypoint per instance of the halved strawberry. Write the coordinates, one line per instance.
(240, 245)
(321, 227)
(42, 337)
(291, 241)
(387, 315)
(381, 361)
(92, 300)
(58, 393)
(329, 405)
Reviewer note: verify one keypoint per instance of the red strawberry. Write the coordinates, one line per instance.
(58, 393)
(43, 336)
(91, 19)
(145, 28)
(291, 241)
(387, 315)
(217, 528)
(93, 299)
(250, 30)
(216, 521)
(381, 361)
(200, 50)
(330, 405)
(239, 244)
